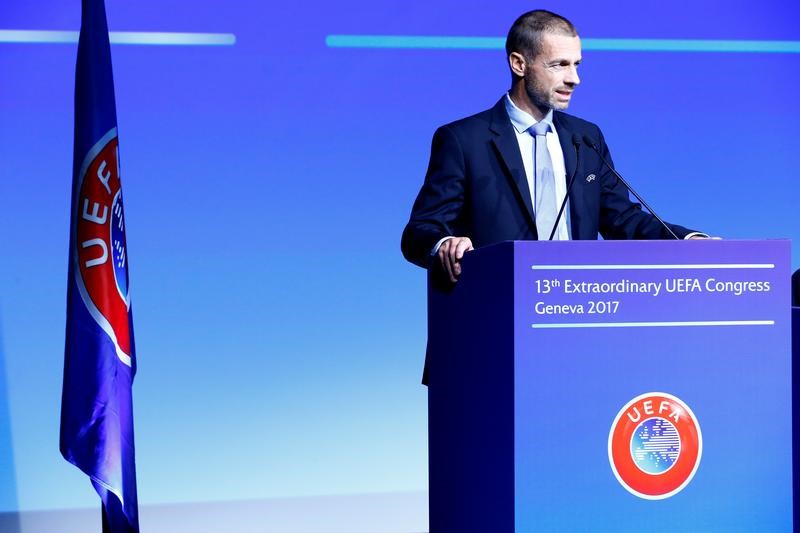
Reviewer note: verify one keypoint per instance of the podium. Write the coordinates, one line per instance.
(612, 386)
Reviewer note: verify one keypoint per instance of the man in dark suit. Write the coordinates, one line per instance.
(502, 174)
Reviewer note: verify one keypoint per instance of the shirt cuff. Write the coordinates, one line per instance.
(696, 234)
(439, 244)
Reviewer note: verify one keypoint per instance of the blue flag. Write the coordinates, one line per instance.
(99, 355)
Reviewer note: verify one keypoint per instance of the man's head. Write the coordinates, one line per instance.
(544, 51)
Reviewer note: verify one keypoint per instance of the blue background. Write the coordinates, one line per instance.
(280, 334)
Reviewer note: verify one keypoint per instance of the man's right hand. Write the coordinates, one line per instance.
(450, 253)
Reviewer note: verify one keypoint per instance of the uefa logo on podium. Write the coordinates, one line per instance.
(655, 445)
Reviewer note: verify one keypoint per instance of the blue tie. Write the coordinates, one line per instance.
(544, 192)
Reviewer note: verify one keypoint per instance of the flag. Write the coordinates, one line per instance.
(99, 354)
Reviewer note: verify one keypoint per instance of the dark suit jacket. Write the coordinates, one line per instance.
(476, 187)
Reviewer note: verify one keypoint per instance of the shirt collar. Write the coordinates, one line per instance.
(522, 120)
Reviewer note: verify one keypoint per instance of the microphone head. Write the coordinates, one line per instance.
(589, 142)
(576, 139)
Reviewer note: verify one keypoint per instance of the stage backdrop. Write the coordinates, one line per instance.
(268, 171)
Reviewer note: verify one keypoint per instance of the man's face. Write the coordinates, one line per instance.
(551, 77)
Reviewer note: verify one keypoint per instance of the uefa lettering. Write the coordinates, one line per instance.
(101, 268)
(655, 446)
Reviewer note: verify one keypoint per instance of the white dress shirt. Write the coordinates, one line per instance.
(522, 121)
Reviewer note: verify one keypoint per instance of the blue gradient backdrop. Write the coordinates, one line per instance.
(280, 334)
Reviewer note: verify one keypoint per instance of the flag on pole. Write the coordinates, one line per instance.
(99, 354)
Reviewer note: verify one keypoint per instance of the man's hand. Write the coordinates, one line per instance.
(450, 253)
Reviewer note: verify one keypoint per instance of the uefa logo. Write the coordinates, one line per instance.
(100, 255)
(655, 446)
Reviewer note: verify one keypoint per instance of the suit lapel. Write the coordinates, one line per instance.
(565, 140)
(505, 142)
(570, 161)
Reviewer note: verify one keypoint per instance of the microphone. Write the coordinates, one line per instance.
(576, 140)
(590, 143)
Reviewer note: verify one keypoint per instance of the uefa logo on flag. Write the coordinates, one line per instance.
(655, 446)
(101, 268)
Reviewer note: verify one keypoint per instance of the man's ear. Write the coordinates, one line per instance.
(517, 63)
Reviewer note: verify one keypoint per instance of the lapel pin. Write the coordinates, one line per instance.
(590, 178)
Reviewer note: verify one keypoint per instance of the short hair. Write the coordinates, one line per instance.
(525, 35)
